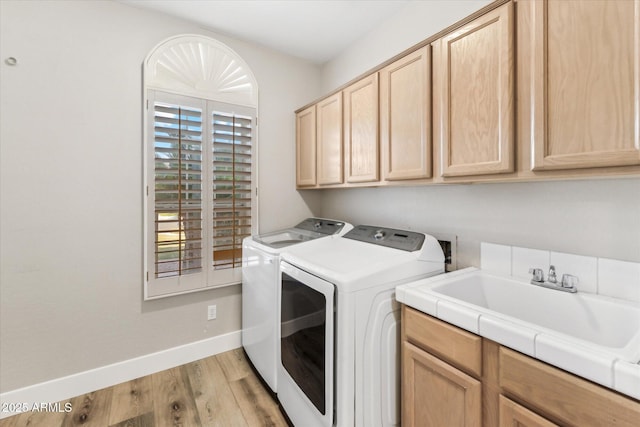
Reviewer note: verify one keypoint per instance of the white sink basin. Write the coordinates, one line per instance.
(599, 320)
(603, 323)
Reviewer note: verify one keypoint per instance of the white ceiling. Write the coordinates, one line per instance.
(315, 30)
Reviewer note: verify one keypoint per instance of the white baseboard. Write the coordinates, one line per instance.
(95, 379)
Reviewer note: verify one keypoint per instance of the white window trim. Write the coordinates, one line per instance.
(238, 92)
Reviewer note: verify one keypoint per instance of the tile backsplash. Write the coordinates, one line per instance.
(609, 277)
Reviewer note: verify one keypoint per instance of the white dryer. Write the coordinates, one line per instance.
(260, 289)
(340, 358)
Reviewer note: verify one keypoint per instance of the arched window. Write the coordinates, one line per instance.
(200, 162)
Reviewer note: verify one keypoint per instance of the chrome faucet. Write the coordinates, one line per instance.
(568, 283)
(538, 275)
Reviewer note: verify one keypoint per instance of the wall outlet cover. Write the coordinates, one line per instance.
(211, 312)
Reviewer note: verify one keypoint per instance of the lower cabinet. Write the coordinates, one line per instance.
(451, 377)
(513, 415)
(436, 393)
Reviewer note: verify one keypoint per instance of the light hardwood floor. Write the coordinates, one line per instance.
(221, 390)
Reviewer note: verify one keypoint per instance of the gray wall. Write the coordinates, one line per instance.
(71, 187)
(593, 217)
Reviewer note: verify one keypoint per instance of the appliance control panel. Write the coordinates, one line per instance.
(321, 225)
(397, 239)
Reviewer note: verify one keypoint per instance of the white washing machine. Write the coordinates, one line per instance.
(260, 289)
(340, 357)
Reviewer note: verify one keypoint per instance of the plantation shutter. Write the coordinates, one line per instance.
(201, 192)
(233, 137)
(178, 159)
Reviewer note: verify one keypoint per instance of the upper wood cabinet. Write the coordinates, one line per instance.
(329, 139)
(306, 147)
(452, 110)
(580, 75)
(405, 117)
(474, 115)
(361, 148)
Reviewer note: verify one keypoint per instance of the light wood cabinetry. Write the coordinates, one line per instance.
(458, 113)
(441, 367)
(450, 343)
(580, 82)
(337, 138)
(361, 148)
(306, 147)
(405, 117)
(436, 393)
(514, 415)
(483, 383)
(329, 139)
(474, 96)
(551, 391)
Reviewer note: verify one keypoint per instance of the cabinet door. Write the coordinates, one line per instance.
(329, 139)
(306, 147)
(514, 415)
(405, 117)
(361, 130)
(436, 394)
(581, 88)
(474, 111)
(552, 391)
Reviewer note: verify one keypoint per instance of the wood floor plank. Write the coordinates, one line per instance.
(131, 399)
(214, 399)
(90, 410)
(234, 364)
(258, 407)
(144, 420)
(192, 395)
(172, 399)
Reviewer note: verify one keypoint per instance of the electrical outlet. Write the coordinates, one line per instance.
(211, 312)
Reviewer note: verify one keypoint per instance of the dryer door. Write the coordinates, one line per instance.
(305, 377)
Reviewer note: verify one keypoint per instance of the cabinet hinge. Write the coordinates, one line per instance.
(147, 276)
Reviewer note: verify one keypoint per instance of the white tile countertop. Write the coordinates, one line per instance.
(569, 335)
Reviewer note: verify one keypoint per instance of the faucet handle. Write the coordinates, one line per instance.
(569, 281)
(538, 274)
(552, 274)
